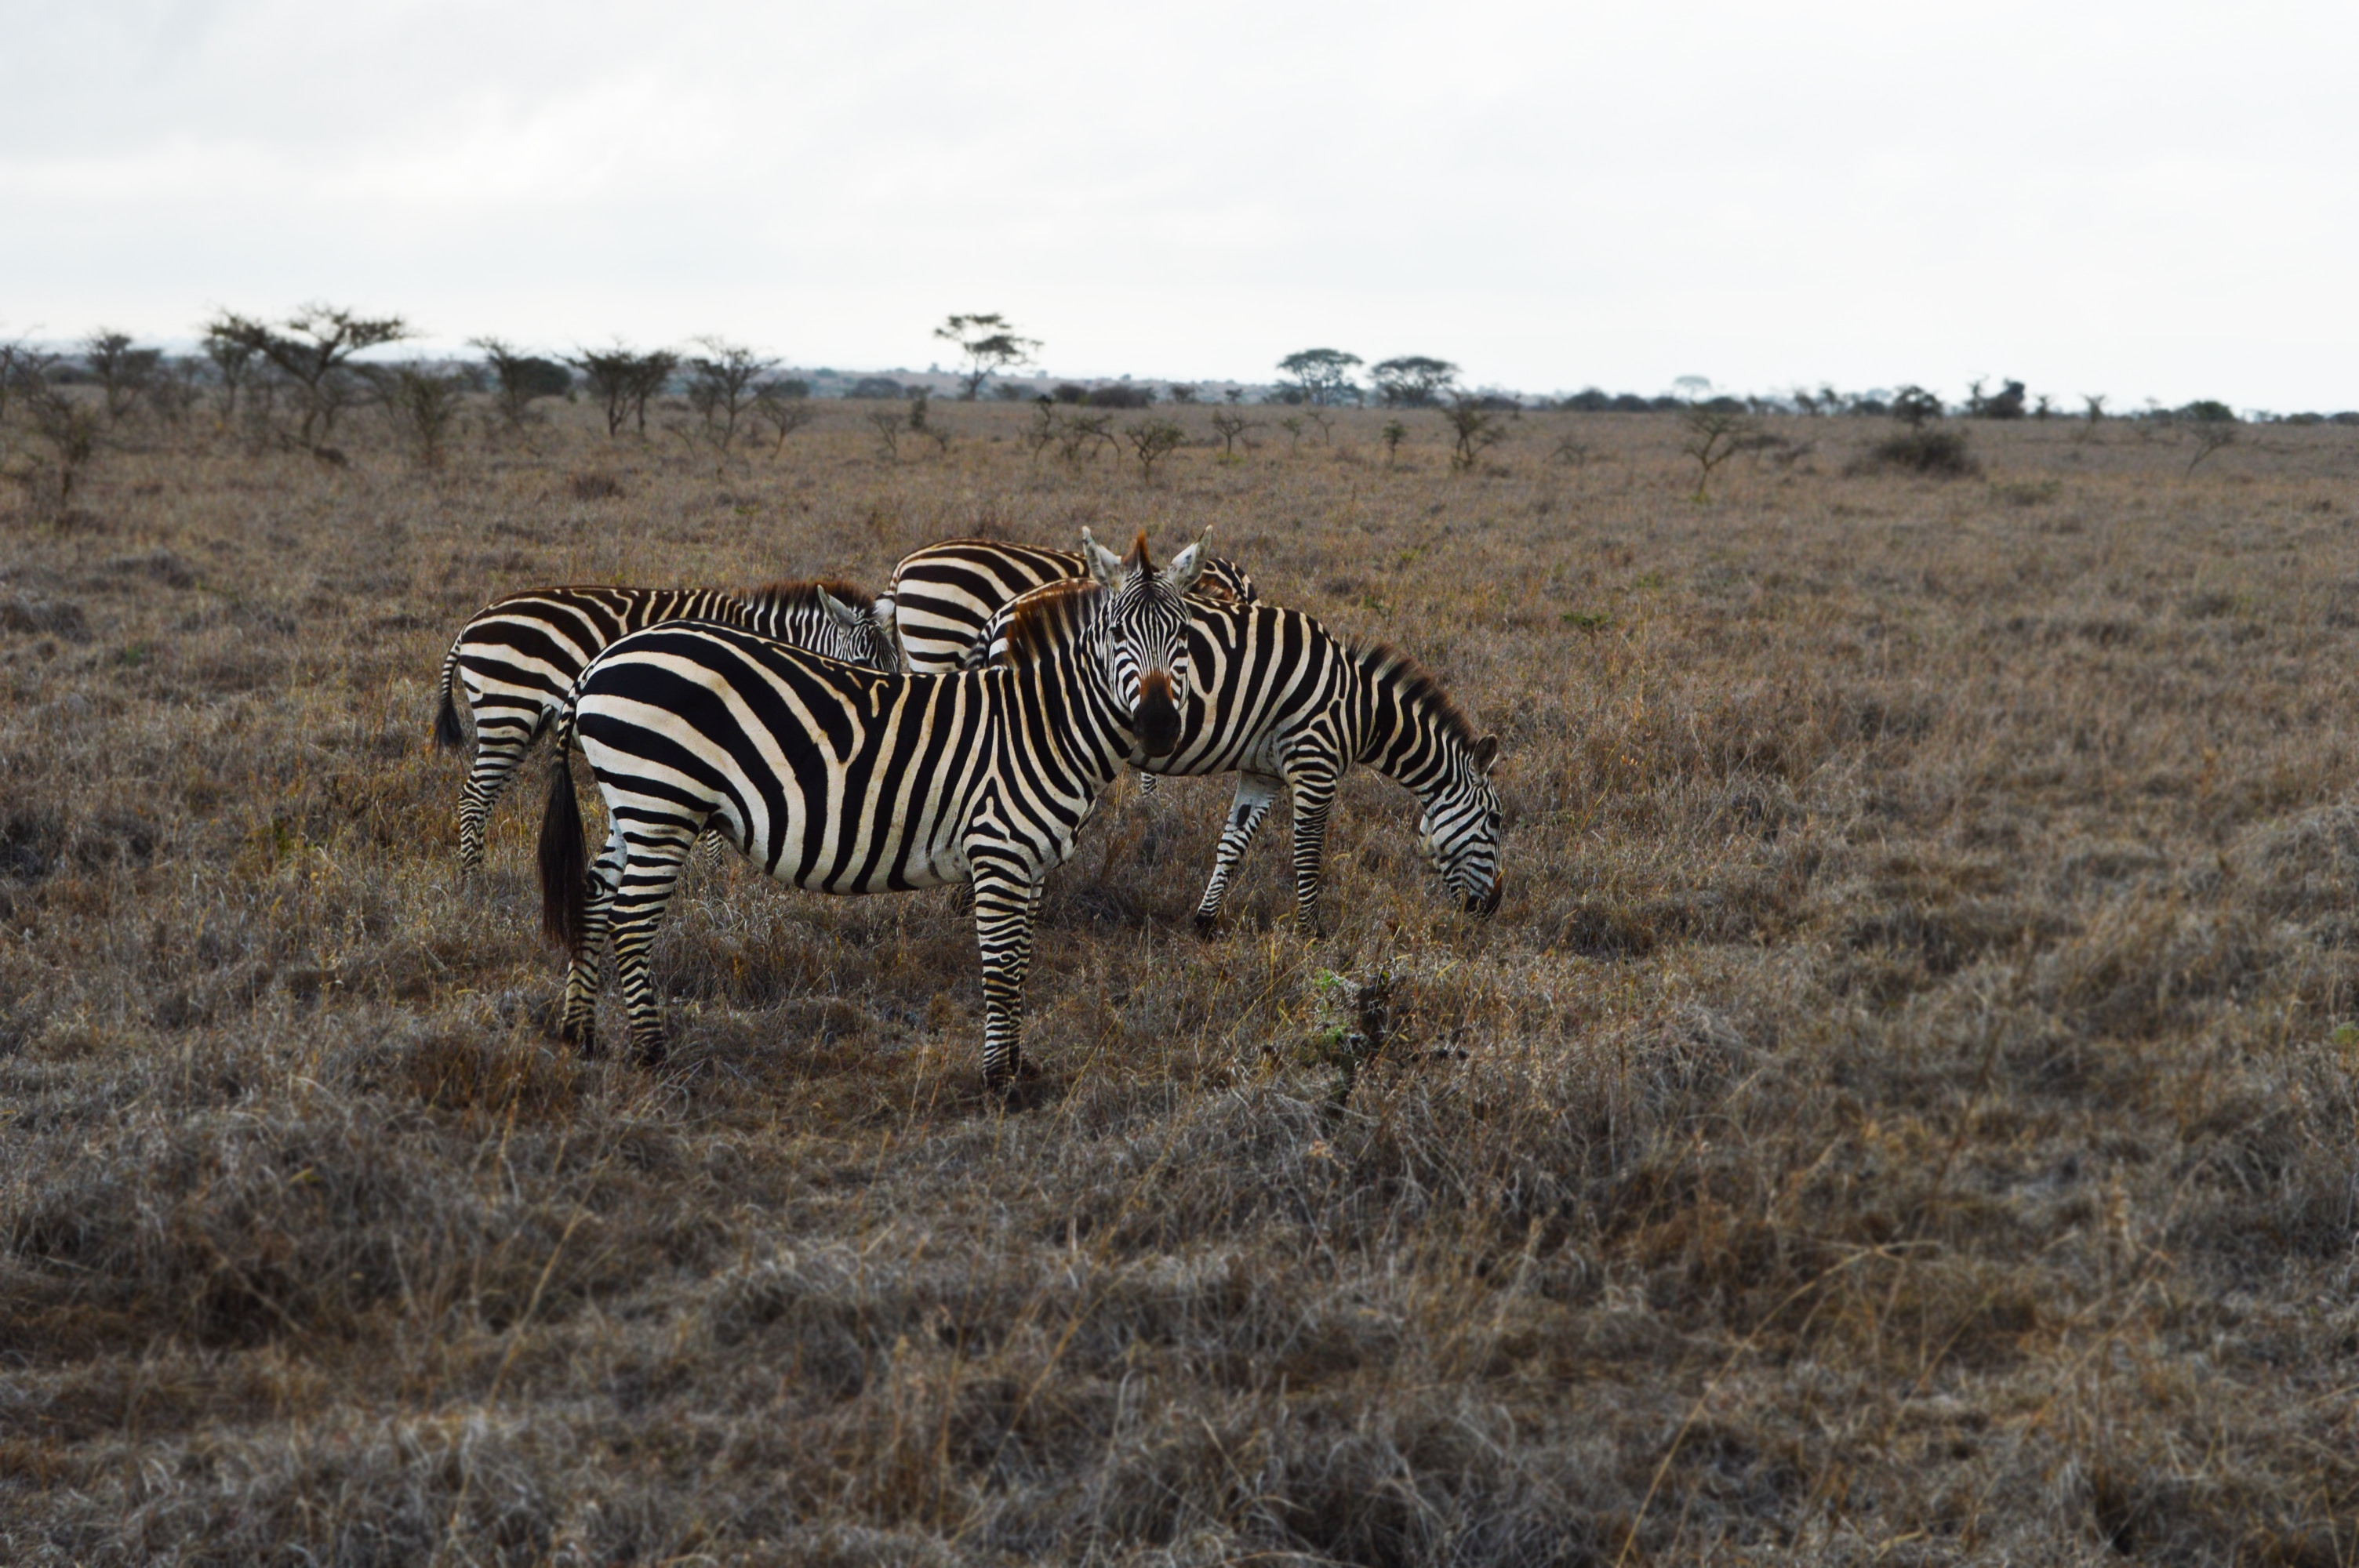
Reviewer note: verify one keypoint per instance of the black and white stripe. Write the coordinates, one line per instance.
(845, 781)
(942, 597)
(514, 660)
(1286, 705)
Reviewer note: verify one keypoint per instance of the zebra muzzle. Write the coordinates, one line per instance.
(1158, 718)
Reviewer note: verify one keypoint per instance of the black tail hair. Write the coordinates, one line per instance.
(564, 871)
(447, 733)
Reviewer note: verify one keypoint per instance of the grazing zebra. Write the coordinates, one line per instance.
(516, 657)
(1285, 704)
(941, 597)
(845, 781)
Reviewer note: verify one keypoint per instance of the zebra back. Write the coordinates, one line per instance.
(830, 618)
(943, 597)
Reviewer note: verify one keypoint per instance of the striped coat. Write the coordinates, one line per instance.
(847, 781)
(942, 596)
(1288, 707)
(514, 659)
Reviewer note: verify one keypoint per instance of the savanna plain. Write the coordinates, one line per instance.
(1902, 1111)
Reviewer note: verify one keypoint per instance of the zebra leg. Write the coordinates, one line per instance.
(710, 846)
(1005, 902)
(578, 1024)
(1145, 786)
(497, 753)
(643, 890)
(1255, 794)
(1311, 779)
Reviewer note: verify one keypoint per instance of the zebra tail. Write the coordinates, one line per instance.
(564, 869)
(447, 733)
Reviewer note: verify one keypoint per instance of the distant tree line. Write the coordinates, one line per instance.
(291, 383)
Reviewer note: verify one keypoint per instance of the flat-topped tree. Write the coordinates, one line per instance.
(991, 346)
(1413, 381)
(1322, 375)
(314, 352)
(520, 378)
(622, 380)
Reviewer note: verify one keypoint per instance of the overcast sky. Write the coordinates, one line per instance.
(2144, 199)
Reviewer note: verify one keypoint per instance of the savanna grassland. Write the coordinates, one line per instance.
(1903, 1111)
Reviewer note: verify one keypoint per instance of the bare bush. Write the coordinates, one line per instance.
(1150, 441)
(423, 405)
(1474, 429)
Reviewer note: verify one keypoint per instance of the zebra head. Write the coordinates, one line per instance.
(1461, 829)
(859, 635)
(1144, 633)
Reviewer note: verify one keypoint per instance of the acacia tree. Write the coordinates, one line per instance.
(1228, 427)
(1151, 440)
(1714, 435)
(520, 378)
(314, 352)
(233, 366)
(623, 381)
(1413, 381)
(1913, 406)
(990, 344)
(784, 406)
(1322, 375)
(122, 372)
(1472, 428)
(720, 386)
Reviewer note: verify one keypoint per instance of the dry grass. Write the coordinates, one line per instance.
(1903, 1111)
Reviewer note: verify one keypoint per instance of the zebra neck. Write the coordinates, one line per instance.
(1397, 734)
(1058, 705)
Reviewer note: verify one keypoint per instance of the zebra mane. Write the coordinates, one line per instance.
(790, 593)
(1419, 689)
(1039, 615)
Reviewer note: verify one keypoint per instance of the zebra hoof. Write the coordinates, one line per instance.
(582, 1037)
(1207, 925)
(649, 1054)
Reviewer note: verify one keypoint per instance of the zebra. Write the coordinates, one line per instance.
(1286, 704)
(518, 654)
(942, 596)
(847, 781)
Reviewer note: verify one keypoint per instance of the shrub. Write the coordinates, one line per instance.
(2209, 411)
(2005, 404)
(1120, 396)
(1942, 454)
(1590, 400)
(1071, 392)
(883, 388)
(1913, 406)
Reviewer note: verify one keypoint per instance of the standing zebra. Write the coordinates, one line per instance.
(519, 655)
(1286, 704)
(848, 781)
(941, 597)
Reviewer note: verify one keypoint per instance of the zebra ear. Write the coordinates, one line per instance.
(1105, 566)
(842, 614)
(1487, 752)
(1188, 564)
